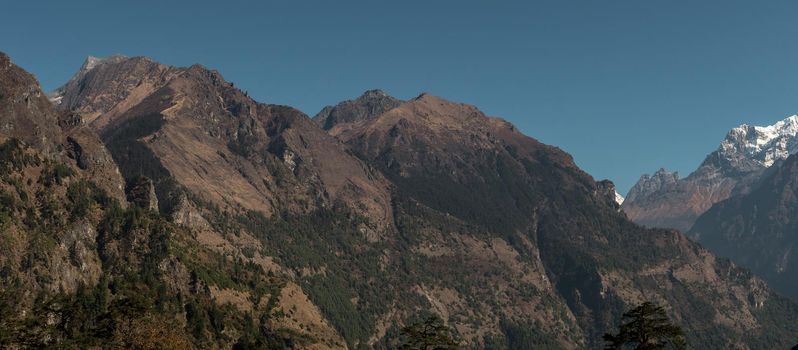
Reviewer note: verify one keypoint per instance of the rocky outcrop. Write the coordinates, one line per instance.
(370, 104)
(25, 113)
(90, 155)
(141, 193)
(649, 185)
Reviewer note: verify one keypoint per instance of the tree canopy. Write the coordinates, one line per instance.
(646, 327)
(432, 334)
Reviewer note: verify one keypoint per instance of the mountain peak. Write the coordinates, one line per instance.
(423, 96)
(664, 173)
(649, 184)
(93, 61)
(369, 105)
(763, 144)
(89, 64)
(372, 94)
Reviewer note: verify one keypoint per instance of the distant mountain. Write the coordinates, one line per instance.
(242, 224)
(758, 230)
(665, 200)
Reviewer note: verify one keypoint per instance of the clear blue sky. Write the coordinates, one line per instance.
(624, 86)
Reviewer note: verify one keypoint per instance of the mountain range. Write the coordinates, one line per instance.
(738, 203)
(666, 200)
(146, 205)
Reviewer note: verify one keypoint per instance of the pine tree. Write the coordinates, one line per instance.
(647, 328)
(432, 334)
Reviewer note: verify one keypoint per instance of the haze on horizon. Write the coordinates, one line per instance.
(625, 87)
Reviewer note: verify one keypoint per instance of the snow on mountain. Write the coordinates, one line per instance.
(618, 198)
(666, 200)
(764, 144)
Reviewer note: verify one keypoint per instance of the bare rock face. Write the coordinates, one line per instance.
(25, 113)
(141, 193)
(85, 148)
(649, 184)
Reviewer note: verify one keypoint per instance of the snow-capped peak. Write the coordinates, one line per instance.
(618, 198)
(764, 144)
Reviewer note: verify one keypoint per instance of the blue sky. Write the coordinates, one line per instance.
(624, 86)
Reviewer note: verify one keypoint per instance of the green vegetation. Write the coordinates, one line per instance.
(328, 241)
(132, 305)
(55, 174)
(646, 327)
(7, 208)
(519, 337)
(13, 156)
(129, 296)
(83, 195)
(432, 334)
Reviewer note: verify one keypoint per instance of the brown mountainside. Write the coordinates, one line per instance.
(25, 113)
(481, 170)
(188, 128)
(272, 233)
(80, 268)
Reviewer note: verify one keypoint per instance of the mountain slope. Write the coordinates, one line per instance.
(25, 113)
(187, 128)
(664, 200)
(79, 268)
(426, 207)
(455, 160)
(321, 214)
(757, 230)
